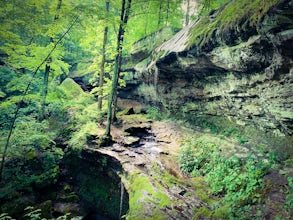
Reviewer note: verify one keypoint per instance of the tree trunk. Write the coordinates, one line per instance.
(146, 20)
(102, 73)
(125, 20)
(187, 13)
(47, 70)
(160, 14)
(168, 11)
(45, 90)
(112, 103)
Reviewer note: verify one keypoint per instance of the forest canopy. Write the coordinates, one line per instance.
(45, 42)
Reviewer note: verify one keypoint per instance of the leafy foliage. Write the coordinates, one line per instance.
(35, 214)
(155, 113)
(238, 181)
(209, 5)
(33, 157)
(28, 32)
(150, 16)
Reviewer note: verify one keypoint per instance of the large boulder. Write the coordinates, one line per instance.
(71, 88)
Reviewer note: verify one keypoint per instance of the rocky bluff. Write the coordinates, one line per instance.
(236, 71)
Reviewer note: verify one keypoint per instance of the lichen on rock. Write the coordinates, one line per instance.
(247, 79)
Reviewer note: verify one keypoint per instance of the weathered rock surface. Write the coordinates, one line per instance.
(150, 170)
(248, 82)
(143, 48)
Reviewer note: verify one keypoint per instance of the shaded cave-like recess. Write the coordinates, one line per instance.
(94, 177)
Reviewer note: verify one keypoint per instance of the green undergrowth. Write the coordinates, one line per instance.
(248, 136)
(238, 183)
(155, 113)
(166, 178)
(32, 213)
(222, 127)
(40, 135)
(235, 15)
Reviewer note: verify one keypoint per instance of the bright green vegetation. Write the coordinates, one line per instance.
(150, 16)
(235, 15)
(238, 181)
(45, 46)
(35, 154)
(36, 214)
(50, 57)
(141, 189)
(155, 113)
(224, 127)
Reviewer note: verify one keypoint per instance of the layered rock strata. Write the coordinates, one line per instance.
(246, 79)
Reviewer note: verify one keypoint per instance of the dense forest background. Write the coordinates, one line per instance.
(62, 64)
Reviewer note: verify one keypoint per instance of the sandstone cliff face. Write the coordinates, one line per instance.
(246, 79)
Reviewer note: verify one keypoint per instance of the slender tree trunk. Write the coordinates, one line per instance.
(146, 21)
(117, 66)
(102, 73)
(168, 10)
(115, 76)
(125, 20)
(160, 14)
(187, 13)
(45, 89)
(58, 8)
(47, 70)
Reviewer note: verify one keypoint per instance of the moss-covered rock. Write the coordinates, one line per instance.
(71, 197)
(46, 209)
(71, 88)
(230, 63)
(236, 19)
(65, 208)
(145, 199)
(144, 47)
(95, 183)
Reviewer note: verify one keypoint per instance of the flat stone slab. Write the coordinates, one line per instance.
(130, 140)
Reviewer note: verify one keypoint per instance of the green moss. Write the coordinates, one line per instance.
(203, 212)
(235, 15)
(206, 213)
(135, 119)
(221, 212)
(82, 69)
(123, 112)
(31, 155)
(142, 191)
(157, 215)
(71, 88)
(140, 185)
(201, 188)
(67, 188)
(150, 42)
(46, 208)
(71, 197)
(170, 180)
(143, 64)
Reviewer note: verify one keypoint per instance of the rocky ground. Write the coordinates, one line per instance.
(148, 150)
